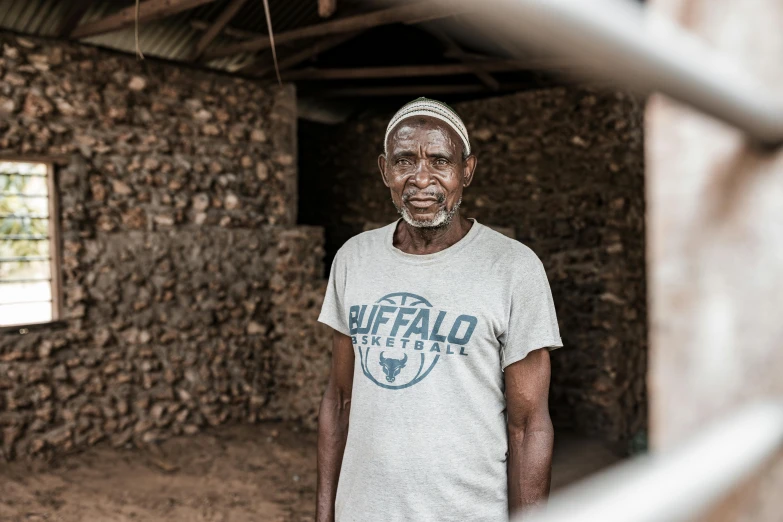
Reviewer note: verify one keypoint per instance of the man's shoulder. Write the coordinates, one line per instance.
(511, 251)
(364, 241)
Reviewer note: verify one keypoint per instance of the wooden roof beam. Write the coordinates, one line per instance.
(409, 90)
(301, 56)
(432, 89)
(454, 48)
(539, 63)
(404, 71)
(232, 32)
(228, 13)
(361, 22)
(72, 17)
(149, 11)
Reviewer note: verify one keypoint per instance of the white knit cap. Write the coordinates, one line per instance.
(435, 109)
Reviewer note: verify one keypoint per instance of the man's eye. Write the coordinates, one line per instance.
(403, 161)
(441, 161)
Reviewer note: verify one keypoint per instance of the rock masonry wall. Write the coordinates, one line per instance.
(183, 271)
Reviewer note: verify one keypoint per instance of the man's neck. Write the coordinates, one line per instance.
(422, 240)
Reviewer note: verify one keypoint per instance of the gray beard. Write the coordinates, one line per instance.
(442, 218)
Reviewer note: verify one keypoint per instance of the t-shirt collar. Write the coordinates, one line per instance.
(435, 256)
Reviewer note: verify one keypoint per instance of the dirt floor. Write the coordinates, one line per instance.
(261, 473)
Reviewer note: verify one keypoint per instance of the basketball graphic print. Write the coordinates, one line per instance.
(402, 337)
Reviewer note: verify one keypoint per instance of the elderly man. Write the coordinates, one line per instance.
(436, 407)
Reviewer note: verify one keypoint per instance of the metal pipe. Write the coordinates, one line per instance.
(634, 47)
(25, 302)
(23, 259)
(32, 280)
(677, 485)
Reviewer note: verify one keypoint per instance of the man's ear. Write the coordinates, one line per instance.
(382, 167)
(470, 168)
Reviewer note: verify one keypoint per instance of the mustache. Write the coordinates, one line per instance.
(439, 196)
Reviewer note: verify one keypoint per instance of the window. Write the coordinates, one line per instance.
(29, 251)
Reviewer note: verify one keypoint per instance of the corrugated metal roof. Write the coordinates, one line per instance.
(172, 38)
(175, 37)
(33, 16)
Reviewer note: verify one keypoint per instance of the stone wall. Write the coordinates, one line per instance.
(177, 200)
(302, 346)
(178, 333)
(563, 169)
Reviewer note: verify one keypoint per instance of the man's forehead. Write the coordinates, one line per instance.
(409, 129)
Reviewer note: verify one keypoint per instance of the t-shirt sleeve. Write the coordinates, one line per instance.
(333, 308)
(532, 322)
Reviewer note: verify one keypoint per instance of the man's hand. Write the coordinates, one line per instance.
(530, 433)
(333, 425)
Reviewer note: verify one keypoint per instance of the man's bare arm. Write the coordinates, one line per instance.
(530, 432)
(333, 425)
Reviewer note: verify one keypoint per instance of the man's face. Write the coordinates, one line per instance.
(425, 172)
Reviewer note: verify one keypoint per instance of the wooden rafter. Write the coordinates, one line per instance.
(353, 23)
(453, 47)
(72, 17)
(410, 90)
(233, 32)
(543, 63)
(149, 11)
(301, 56)
(539, 62)
(228, 13)
(405, 71)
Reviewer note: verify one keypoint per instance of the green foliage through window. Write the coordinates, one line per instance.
(25, 260)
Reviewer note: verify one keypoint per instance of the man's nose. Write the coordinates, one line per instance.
(423, 176)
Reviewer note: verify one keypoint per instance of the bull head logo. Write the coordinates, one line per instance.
(391, 367)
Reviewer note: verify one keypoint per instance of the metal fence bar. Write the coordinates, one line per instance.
(25, 302)
(31, 280)
(17, 195)
(23, 259)
(623, 42)
(675, 486)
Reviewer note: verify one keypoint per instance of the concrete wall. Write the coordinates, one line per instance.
(177, 206)
(564, 169)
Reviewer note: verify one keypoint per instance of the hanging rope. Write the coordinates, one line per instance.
(139, 55)
(272, 40)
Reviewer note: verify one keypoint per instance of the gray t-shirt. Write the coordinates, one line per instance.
(432, 335)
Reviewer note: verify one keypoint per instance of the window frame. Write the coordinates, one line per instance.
(55, 242)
